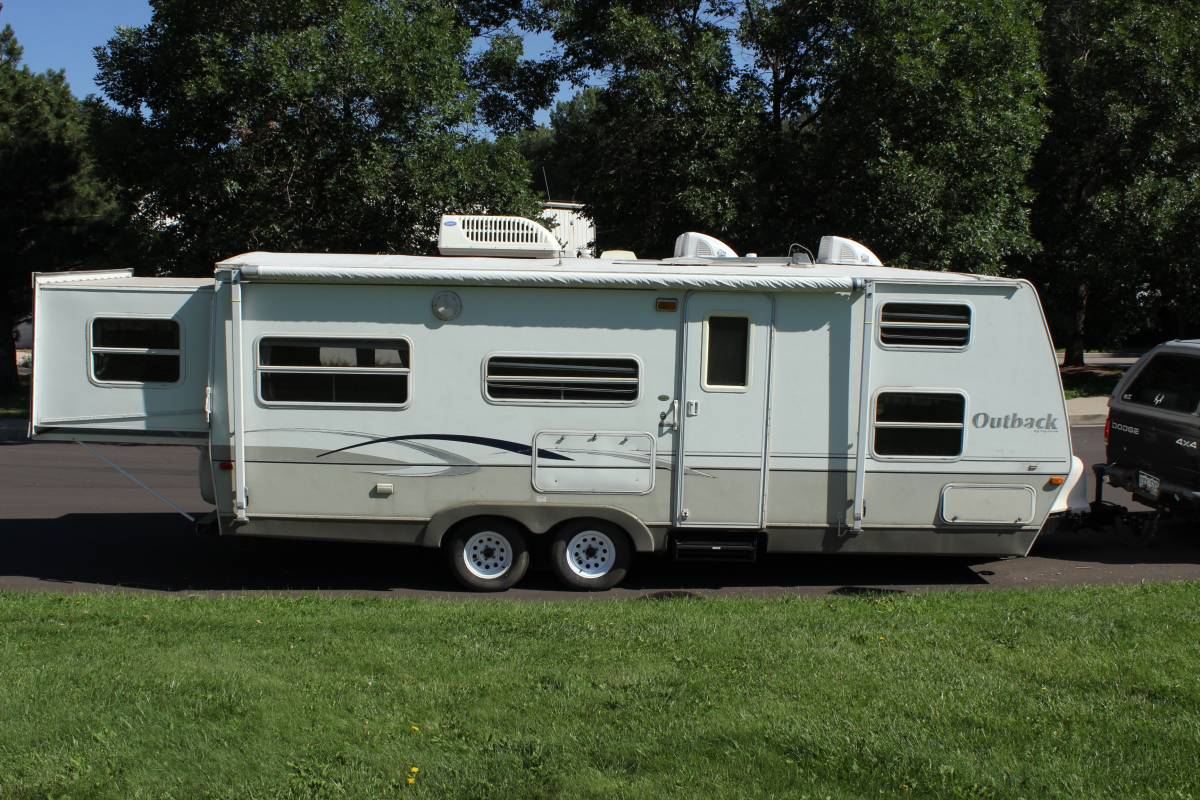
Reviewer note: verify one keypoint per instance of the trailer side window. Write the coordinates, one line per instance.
(372, 372)
(919, 424)
(1170, 381)
(727, 353)
(561, 379)
(925, 325)
(135, 350)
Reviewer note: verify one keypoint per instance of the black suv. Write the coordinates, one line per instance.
(1153, 428)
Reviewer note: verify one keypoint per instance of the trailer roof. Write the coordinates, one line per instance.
(686, 273)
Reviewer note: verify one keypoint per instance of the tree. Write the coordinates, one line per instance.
(655, 148)
(1118, 176)
(54, 211)
(909, 124)
(301, 125)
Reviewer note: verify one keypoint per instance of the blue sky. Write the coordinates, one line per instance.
(60, 34)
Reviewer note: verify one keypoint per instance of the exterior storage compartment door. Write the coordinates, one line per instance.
(118, 358)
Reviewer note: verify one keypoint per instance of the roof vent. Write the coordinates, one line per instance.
(701, 245)
(484, 235)
(836, 250)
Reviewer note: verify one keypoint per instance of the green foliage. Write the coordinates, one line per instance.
(1089, 692)
(1057, 139)
(54, 211)
(511, 88)
(656, 149)
(909, 124)
(312, 125)
(872, 118)
(1118, 176)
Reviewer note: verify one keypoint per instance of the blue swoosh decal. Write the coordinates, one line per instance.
(499, 444)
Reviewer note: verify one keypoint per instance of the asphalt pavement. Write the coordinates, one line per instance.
(69, 523)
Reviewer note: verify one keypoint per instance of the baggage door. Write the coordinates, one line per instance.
(720, 463)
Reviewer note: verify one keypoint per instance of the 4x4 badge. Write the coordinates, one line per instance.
(1158, 398)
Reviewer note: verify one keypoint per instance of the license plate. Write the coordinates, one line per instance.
(1148, 484)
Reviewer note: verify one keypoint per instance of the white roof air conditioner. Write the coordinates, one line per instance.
(485, 235)
(701, 245)
(836, 250)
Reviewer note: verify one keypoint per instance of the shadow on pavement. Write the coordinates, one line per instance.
(1175, 544)
(160, 552)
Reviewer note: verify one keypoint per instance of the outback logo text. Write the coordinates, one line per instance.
(1014, 420)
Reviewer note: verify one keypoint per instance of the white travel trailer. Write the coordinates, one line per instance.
(586, 409)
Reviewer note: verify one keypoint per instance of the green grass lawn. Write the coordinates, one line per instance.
(1090, 381)
(1044, 693)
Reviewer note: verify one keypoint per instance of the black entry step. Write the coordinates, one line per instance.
(715, 546)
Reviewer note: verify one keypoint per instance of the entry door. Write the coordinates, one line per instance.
(721, 458)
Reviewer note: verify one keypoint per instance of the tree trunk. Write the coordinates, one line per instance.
(9, 384)
(1075, 341)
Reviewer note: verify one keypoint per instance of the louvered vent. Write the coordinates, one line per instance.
(485, 235)
(562, 379)
(510, 230)
(925, 325)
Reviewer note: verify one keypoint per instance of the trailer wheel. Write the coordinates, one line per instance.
(590, 554)
(487, 555)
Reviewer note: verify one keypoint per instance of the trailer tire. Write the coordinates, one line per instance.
(590, 554)
(487, 554)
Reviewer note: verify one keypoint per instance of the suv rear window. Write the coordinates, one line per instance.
(1171, 381)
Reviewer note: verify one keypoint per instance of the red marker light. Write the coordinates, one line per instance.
(226, 466)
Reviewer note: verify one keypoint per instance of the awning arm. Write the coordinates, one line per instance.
(239, 411)
(864, 405)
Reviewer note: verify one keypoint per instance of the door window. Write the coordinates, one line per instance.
(727, 354)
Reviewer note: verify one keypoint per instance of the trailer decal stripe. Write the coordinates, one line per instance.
(500, 444)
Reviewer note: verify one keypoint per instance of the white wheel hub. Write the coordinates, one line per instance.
(488, 555)
(591, 554)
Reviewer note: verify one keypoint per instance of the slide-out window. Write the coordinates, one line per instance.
(562, 379)
(333, 371)
(922, 424)
(727, 353)
(135, 350)
(925, 325)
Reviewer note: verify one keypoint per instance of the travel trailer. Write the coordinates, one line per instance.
(502, 399)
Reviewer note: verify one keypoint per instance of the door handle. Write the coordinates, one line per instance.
(693, 408)
(670, 418)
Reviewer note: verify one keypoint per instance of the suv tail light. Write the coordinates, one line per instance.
(1107, 426)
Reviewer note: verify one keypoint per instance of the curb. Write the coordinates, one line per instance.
(1086, 420)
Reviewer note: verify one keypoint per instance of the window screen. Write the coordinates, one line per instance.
(924, 325)
(1170, 381)
(334, 371)
(919, 424)
(727, 352)
(562, 379)
(129, 350)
